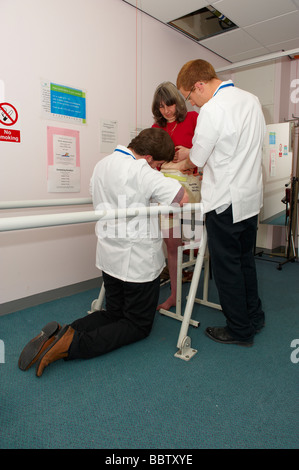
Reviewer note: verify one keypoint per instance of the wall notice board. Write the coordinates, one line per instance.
(277, 170)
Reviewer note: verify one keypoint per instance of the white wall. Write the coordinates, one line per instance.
(86, 44)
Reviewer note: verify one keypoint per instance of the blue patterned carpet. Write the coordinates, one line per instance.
(142, 397)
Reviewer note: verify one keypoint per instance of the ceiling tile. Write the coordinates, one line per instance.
(231, 43)
(285, 45)
(282, 28)
(247, 55)
(245, 12)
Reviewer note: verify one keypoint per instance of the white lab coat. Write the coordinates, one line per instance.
(228, 144)
(129, 250)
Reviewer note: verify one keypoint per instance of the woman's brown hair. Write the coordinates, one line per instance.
(168, 93)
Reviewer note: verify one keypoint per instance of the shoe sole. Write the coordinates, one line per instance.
(58, 337)
(32, 349)
(238, 343)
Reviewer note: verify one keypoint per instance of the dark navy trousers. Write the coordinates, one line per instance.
(129, 316)
(231, 248)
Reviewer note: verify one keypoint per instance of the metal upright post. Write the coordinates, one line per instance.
(185, 351)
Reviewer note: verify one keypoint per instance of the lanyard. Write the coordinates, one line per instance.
(223, 86)
(127, 153)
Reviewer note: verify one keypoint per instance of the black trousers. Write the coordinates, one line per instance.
(129, 316)
(231, 248)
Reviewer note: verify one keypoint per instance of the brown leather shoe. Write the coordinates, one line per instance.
(34, 349)
(57, 350)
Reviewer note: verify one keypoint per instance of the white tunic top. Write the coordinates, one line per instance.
(228, 143)
(129, 249)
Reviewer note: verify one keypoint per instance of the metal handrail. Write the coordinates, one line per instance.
(67, 218)
(44, 203)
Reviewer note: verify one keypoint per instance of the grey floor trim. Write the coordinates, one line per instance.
(37, 299)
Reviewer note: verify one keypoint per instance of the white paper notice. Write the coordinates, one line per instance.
(135, 131)
(62, 180)
(272, 162)
(64, 147)
(108, 136)
(63, 161)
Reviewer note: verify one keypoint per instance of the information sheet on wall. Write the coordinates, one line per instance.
(277, 169)
(134, 131)
(108, 135)
(63, 160)
(63, 103)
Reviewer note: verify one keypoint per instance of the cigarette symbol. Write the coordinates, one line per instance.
(8, 114)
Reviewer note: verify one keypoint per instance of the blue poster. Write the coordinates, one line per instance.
(68, 102)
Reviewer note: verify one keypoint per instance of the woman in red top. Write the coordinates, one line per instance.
(170, 113)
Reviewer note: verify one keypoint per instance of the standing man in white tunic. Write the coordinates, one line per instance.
(129, 253)
(228, 143)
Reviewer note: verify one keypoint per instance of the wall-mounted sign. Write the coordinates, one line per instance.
(63, 160)
(10, 135)
(63, 103)
(8, 114)
(8, 117)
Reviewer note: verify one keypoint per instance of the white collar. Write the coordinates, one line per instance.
(224, 85)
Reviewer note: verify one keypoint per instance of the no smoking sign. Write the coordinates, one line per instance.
(8, 117)
(8, 114)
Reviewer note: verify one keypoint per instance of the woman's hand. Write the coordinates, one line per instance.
(181, 153)
(184, 166)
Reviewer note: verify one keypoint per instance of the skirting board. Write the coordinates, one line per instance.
(48, 296)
